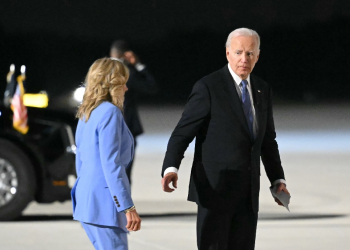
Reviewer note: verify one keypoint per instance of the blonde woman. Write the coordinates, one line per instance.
(101, 195)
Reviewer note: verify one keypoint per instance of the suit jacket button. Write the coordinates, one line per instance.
(118, 205)
(115, 196)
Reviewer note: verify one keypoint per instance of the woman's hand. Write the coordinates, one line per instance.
(134, 221)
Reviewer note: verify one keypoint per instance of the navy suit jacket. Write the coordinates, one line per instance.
(224, 151)
(104, 150)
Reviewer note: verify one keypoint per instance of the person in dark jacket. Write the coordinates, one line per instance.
(141, 81)
(229, 112)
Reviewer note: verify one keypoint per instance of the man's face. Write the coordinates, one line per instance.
(242, 55)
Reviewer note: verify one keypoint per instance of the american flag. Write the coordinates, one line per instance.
(20, 117)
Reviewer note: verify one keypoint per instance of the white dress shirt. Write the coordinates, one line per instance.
(239, 87)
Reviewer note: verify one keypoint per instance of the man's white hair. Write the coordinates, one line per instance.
(243, 32)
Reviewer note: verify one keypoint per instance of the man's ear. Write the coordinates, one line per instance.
(227, 52)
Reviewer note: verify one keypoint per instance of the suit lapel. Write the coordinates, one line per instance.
(257, 100)
(233, 98)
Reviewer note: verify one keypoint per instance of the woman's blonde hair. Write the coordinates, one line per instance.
(104, 82)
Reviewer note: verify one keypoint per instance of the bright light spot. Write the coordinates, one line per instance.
(12, 68)
(0, 113)
(40, 100)
(71, 180)
(14, 183)
(13, 190)
(74, 148)
(79, 93)
(71, 149)
(23, 69)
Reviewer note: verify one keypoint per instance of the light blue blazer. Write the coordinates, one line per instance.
(105, 148)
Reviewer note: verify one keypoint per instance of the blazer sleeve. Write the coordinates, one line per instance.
(269, 149)
(196, 111)
(110, 133)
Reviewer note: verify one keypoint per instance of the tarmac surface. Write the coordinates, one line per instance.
(314, 143)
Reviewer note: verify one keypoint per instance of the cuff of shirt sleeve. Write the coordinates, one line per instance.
(170, 170)
(279, 181)
(139, 66)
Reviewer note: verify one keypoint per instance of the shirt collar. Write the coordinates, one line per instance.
(237, 79)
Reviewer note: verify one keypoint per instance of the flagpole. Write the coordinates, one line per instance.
(21, 78)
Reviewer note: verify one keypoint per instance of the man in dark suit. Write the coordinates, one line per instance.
(141, 81)
(230, 114)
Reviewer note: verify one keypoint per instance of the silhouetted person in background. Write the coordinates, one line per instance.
(140, 81)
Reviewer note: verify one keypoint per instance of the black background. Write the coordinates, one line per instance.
(305, 45)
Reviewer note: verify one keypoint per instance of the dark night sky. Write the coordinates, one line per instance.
(181, 41)
(152, 19)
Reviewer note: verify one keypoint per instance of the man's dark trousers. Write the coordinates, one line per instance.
(228, 227)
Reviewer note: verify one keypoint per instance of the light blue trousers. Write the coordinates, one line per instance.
(105, 237)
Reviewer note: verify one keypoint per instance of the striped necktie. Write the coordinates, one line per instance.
(247, 107)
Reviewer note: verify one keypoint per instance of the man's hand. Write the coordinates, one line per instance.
(131, 57)
(134, 221)
(281, 187)
(169, 177)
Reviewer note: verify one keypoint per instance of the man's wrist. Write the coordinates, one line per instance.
(139, 66)
(279, 181)
(170, 170)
